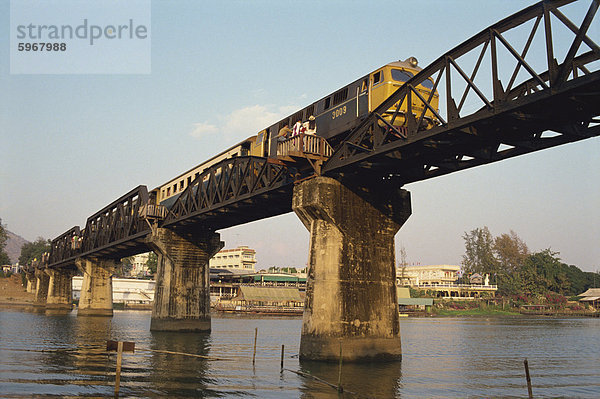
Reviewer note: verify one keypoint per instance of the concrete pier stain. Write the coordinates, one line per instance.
(351, 291)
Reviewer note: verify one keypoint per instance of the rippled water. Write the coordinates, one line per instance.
(62, 355)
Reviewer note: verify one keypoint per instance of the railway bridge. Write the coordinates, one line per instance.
(529, 82)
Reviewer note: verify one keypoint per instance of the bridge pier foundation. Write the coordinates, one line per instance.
(351, 295)
(96, 289)
(182, 293)
(41, 290)
(60, 289)
(31, 282)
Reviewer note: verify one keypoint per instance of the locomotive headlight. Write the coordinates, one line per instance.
(412, 61)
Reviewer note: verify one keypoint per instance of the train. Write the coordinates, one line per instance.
(334, 116)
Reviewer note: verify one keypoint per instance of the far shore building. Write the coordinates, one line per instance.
(591, 297)
(260, 299)
(441, 279)
(241, 259)
(139, 264)
(427, 275)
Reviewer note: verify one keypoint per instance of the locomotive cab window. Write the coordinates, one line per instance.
(327, 102)
(428, 84)
(400, 75)
(377, 78)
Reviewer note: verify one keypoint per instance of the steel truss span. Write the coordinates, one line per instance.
(116, 231)
(235, 191)
(486, 120)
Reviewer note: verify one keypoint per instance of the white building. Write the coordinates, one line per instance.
(125, 290)
(138, 264)
(427, 275)
(441, 279)
(239, 259)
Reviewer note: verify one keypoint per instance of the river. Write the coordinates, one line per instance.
(63, 355)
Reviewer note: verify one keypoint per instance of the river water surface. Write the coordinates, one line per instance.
(63, 355)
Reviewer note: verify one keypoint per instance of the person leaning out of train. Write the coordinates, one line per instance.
(310, 127)
(298, 129)
(284, 133)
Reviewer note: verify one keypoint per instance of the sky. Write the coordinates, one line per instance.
(220, 71)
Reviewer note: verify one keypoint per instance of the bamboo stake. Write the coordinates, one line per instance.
(254, 353)
(282, 350)
(339, 387)
(119, 361)
(528, 377)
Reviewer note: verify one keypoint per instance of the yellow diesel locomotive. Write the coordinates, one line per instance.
(335, 115)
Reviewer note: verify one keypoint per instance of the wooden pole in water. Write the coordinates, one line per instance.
(282, 350)
(528, 377)
(254, 353)
(340, 389)
(118, 373)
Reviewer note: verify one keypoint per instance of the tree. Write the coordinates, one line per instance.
(4, 259)
(479, 254)
(125, 266)
(543, 272)
(510, 251)
(152, 262)
(34, 250)
(403, 264)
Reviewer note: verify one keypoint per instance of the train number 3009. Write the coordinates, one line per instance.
(338, 112)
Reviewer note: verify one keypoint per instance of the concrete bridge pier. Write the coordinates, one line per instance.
(182, 293)
(41, 290)
(96, 289)
(60, 289)
(351, 292)
(31, 282)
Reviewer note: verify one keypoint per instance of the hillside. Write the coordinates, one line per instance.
(13, 246)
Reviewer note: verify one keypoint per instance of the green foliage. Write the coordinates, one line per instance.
(33, 250)
(4, 259)
(124, 268)
(556, 300)
(544, 272)
(487, 311)
(421, 293)
(479, 255)
(3, 235)
(275, 269)
(152, 262)
(510, 252)
(516, 271)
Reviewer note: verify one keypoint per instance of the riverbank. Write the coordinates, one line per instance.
(490, 311)
(13, 294)
(474, 312)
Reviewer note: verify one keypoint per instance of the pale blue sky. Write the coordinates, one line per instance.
(71, 144)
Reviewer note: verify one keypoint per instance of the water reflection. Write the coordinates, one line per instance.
(91, 359)
(176, 374)
(57, 312)
(36, 309)
(373, 380)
